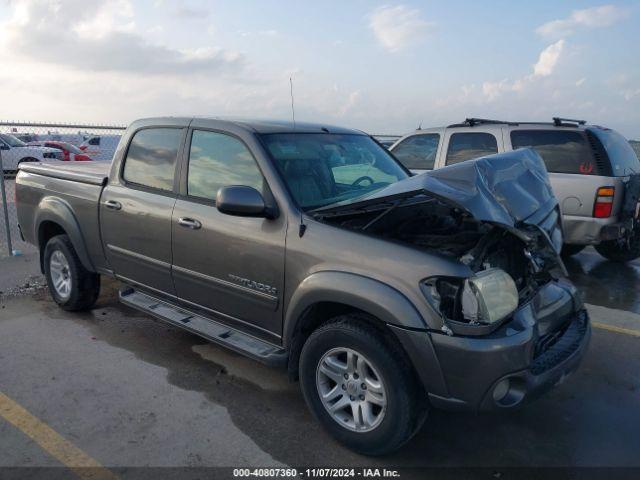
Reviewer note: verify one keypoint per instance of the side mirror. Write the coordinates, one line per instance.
(242, 201)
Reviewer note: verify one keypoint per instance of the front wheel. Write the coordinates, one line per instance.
(71, 285)
(622, 249)
(360, 387)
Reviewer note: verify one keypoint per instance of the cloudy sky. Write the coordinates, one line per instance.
(381, 67)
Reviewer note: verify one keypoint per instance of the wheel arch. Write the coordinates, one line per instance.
(55, 217)
(325, 295)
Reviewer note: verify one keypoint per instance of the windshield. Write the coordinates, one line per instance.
(11, 140)
(321, 169)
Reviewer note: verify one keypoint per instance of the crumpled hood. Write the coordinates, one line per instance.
(507, 188)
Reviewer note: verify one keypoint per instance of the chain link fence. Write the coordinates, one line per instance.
(45, 142)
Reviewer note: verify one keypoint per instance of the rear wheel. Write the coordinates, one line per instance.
(622, 249)
(569, 249)
(71, 285)
(360, 387)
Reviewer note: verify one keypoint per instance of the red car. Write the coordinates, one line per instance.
(71, 152)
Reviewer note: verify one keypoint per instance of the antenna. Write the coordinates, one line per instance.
(293, 111)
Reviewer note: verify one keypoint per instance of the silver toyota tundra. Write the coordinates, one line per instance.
(593, 171)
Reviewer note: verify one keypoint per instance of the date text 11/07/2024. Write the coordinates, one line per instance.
(316, 473)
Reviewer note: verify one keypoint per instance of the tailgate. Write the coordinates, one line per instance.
(576, 193)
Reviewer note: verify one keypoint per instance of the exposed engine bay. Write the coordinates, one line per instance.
(435, 226)
(495, 214)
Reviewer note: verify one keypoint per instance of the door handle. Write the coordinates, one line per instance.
(113, 205)
(189, 223)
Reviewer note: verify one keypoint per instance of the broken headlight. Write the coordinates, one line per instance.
(486, 298)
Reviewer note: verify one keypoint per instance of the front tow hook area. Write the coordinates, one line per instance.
(549, 368)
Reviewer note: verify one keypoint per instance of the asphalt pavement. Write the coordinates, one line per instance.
(113, 388)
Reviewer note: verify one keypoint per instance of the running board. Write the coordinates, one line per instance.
(211, 330)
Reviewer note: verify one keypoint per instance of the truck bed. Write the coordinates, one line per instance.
(93, 173)
(69, 193)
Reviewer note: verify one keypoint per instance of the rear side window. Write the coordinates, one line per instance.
(621, 154)
(465, 146)
(418, 152)
(151, 158)
(562, 151)
(217, 160)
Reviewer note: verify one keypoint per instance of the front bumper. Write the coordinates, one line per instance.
(537, 349)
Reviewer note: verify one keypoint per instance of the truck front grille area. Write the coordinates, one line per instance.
(555, 347)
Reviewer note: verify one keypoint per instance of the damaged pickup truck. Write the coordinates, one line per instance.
(311, 248)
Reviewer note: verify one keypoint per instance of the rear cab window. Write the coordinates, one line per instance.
(418, 152)
(468, 145)
(151, 158)
(563, 151)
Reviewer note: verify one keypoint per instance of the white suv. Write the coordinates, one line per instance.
(594, 172)
(14, 152)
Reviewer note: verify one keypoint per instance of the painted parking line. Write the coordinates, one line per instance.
(619, 321)
(613, 328)
(52, 442)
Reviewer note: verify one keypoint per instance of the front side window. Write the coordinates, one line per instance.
(321, 169)
(562, 151)
(94, 141)
(151, 158)
(217, 160)
(466, 146)
(418, 152)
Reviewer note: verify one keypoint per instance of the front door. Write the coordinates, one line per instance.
(136, 210)
(230, 267)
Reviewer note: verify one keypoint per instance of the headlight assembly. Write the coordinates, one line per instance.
(483, 300)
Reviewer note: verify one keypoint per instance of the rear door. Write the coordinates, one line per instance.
(136, 208)
(577, 166)
(228, 267)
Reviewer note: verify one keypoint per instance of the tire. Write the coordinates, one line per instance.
(570, 249)
(622, 250)
(404, 407)
(63, 267)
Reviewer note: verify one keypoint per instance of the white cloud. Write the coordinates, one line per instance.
(594, 17)
(544, 67)
(548, 59)
(398, 27)
(103, 39)
(108, 17)
(631, 94)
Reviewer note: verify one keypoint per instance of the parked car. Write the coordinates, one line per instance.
(310, 247)
(100, 147)
(15, 152)
(30, 137)
(71, 153)
(593, 172)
